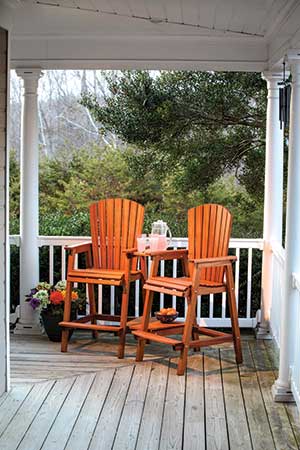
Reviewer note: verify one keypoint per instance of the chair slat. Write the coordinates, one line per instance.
(117, 232)
(110, 207)
(102, 233)
(125, 228)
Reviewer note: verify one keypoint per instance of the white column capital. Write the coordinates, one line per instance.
(30, 78)
(272, 79)
(272, 76)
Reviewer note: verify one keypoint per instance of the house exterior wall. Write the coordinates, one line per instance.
(3, 211)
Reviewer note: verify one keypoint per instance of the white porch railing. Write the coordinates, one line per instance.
(238, 245)
(295, 369)
(277, 289)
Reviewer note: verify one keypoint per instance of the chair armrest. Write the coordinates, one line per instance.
(131, 252)
(214, 262)
(168, 254)
(82, 247)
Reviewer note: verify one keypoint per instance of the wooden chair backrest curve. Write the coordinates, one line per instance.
(115, 225)
(209, 230)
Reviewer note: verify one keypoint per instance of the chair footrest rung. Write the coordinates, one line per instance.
(90, 326)
(156, 338)
(210, 332)
(213, 341)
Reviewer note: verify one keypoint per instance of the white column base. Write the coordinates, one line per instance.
(263, 332)
(28, 329)
(282, 393)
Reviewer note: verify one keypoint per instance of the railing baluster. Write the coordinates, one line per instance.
(174, 274)
(100, 303)
(223, 305)
(51, 264)
(76, 267)
(63, 263)
(137, 298)
(112, 300)
(211, 306)
(249, 283)
(198, 308)
(237, 276)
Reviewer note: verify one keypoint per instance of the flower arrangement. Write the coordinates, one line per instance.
(50, 299)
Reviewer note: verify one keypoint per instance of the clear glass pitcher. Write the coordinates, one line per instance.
(161, 230)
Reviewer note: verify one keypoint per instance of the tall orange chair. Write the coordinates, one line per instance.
(207, 270)
(115, 225)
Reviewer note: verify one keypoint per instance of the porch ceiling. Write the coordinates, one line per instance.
(170, 34)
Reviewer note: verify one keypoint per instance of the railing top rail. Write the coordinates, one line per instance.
(177, 241)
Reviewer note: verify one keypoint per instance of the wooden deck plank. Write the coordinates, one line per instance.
(66, 418)
(194, 419)
(11, 403)
(40, 426)
(107, 425)
(238, 431)
(121, 409)
(216, 431)
(133, 409)
(149, 433)
(259, 426)
(18, 426)
(282, 433)
(172, 426)
(83, 430)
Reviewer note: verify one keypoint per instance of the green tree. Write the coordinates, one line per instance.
(199, 125)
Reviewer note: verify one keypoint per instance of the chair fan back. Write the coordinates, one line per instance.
(115, 225)
(209, 229)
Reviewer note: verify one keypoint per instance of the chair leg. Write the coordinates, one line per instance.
(123, 322)
(195, 334)
(145, 323)
(234, 315)
(187, 332)
(67, 316)
(93, 311)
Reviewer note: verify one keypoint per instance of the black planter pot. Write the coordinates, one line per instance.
(50, 323)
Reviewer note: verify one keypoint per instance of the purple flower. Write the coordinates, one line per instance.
(34, 302)
(32, 292)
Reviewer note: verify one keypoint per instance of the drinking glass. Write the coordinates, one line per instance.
(141, 242)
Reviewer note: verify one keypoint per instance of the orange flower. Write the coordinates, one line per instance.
(74, 295)
(56, 297)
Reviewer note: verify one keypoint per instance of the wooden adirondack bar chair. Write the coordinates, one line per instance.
(115, 225)
(207, 269)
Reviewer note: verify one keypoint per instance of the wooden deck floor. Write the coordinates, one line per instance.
(88, 399)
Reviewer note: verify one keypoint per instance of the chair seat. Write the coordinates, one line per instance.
(101, 276)
(180, 285)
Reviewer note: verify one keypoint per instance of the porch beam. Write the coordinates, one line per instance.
(29, 205)
(282, 388)
(273, 198)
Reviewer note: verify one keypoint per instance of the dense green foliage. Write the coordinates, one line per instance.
(72, 180)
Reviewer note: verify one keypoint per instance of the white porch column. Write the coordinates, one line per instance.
(273, 197)
(29, 208)
(281, 388)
